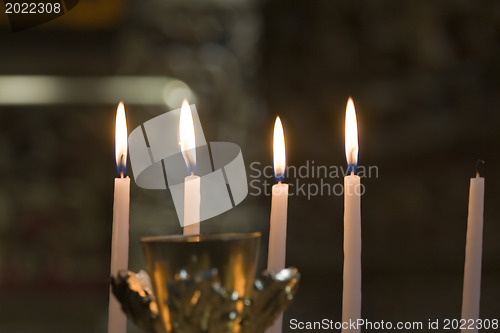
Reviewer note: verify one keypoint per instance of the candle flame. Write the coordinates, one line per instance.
(121, 140)
(351, 136)
(187, 137)
(279, 151)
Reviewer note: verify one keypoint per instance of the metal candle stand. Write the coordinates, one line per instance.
(204, 284)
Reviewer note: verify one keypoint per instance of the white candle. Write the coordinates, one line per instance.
(351, 297)
(192, 190)
(192, 200)
(279, 206)
(117, 320)
(473, 253)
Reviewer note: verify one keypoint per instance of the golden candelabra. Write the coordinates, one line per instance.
(204, 283)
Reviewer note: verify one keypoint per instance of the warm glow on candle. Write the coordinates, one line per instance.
(351, 134)
(279, 150)
(121, 139)
(187, 137)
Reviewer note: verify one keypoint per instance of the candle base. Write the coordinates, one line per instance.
(192, 229)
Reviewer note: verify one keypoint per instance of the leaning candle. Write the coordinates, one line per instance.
(192, 194)
(351, 297)
(279, 205)
(117, 320)
(473, 253)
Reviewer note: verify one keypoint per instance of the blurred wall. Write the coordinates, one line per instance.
(424, 77)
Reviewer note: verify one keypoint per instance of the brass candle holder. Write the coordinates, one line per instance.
(204, 283)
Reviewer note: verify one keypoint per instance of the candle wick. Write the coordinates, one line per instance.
(123, 164)
(192, 173)
(352, 172)
(479, 163)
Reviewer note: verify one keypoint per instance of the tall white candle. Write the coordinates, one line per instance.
(351, 297)
(117, 320)
(192, 189)
(473, 253)
(192, 200)
(279, 206)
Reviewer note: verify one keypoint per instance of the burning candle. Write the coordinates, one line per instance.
(351, 297)
(473, 252)
(117, 320)
(192, 194)
(279, 205)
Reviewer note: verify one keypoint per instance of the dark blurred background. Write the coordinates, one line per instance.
(425, 78)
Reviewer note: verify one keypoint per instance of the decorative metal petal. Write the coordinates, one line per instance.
(200, 304)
